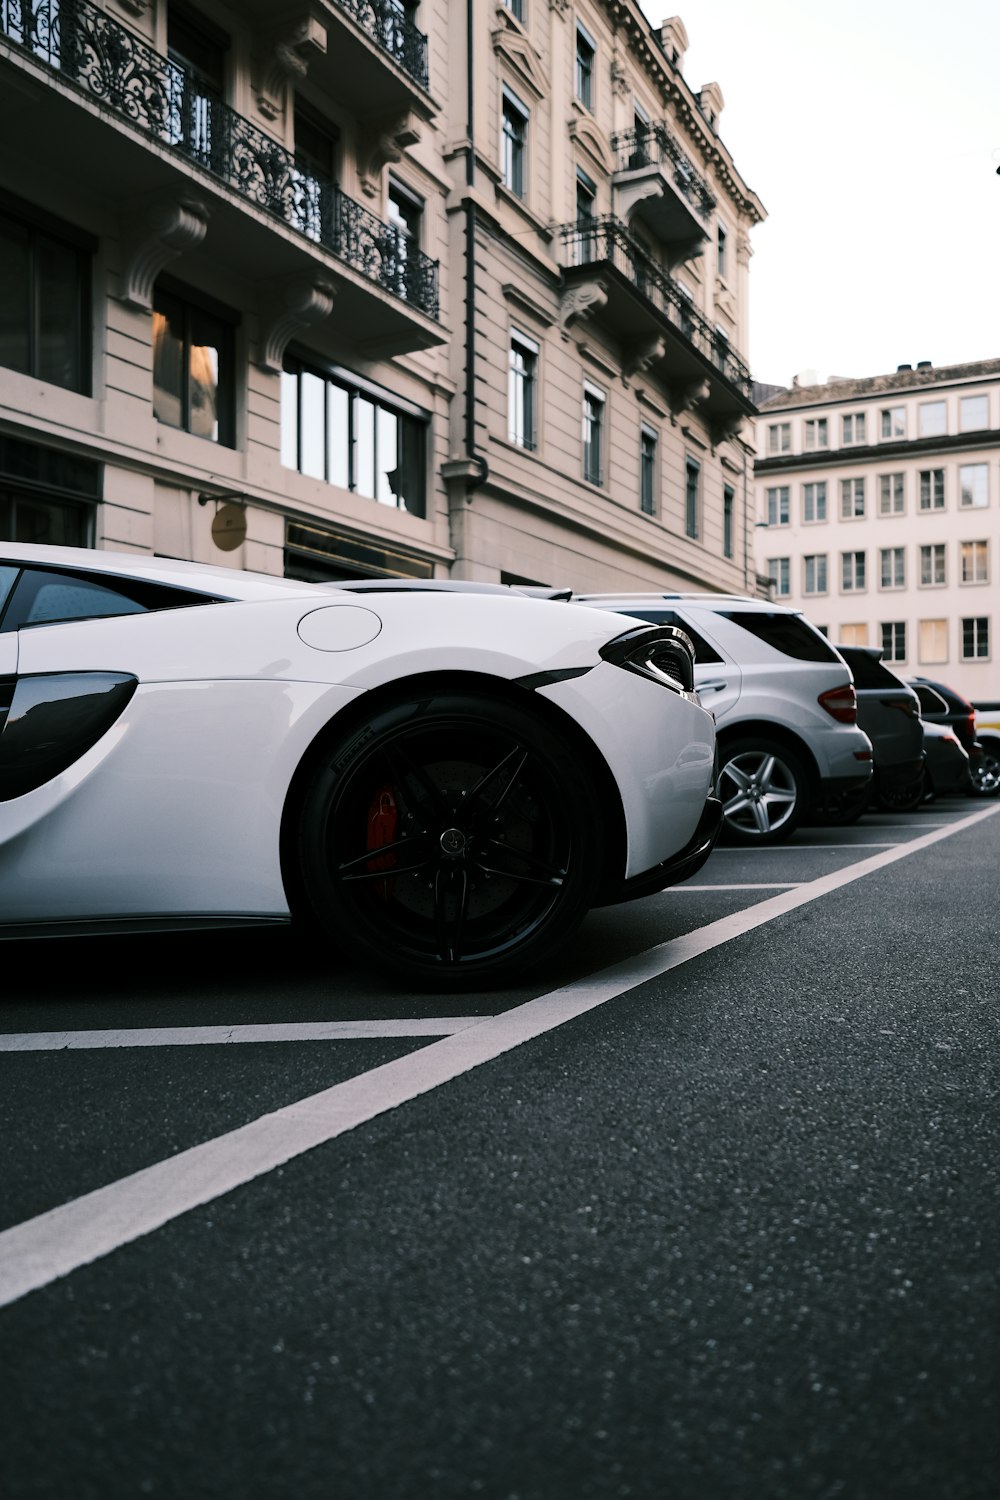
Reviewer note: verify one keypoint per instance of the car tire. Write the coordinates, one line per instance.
(986, 776)
(843, 809)
(764, 790)
(903, 799)
(452, 839)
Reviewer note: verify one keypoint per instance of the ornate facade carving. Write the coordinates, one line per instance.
(288, 57)
(579, 302)
(302, 301)
(642, 355)
(165, 230)
(382, 143)
(586, 134)
(512, 44)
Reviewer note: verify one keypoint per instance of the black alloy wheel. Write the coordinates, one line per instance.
(453, 839)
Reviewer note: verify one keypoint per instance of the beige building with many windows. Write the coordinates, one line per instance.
(338, 290)
(877, 514)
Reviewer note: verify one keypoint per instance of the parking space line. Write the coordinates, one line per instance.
(762, 885)
(199, 1036)
(41, 1250)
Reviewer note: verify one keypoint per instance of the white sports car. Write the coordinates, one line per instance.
(447, 777)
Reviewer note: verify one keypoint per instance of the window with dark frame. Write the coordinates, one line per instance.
(894, 640)
(47, 496)
(316, 143)
(197, 84)
(647, 471)
(586, 51)
(355, 436)
(728, 506)
(405, 214)
(44, 303)
(513, 144)
(522, 380)
(975, 638)
(193, 367)
(593, 435)
(692, 486)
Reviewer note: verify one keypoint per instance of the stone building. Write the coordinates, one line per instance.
(443, 289)
(877, 503)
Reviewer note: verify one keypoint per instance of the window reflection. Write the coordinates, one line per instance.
(353, 439)
(192, 365)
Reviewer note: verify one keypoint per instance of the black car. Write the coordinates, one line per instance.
(940, 704)
(889, 714)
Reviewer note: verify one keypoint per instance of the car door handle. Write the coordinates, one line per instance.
(711, 687)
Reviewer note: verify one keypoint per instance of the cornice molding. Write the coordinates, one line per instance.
(871, 453)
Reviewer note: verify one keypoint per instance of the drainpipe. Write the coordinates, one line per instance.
(470, 267)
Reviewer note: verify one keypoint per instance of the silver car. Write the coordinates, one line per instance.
(784, 704)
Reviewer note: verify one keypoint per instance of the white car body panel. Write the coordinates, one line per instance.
(663, 763)
(176, 810)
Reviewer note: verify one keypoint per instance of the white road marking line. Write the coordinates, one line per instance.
(53, 1244)
(188, 1036)
(761, 885)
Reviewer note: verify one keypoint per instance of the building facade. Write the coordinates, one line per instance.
(877, 514)
(421, 290)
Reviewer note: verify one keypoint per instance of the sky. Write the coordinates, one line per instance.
(870, 130)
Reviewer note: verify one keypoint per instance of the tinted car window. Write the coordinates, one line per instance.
(44, 596)
(868, 671)
(788, 634)
(703, 652)
(930, 701)
(7, 578)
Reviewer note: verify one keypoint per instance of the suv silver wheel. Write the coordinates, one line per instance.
(762, 787)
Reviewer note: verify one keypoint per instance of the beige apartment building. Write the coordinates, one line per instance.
(877, 514)
(331, 289)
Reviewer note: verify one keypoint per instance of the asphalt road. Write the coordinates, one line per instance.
(729, 1229)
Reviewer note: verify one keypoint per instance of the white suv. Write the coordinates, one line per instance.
(784, 704)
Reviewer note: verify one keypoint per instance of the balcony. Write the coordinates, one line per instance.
(387, 288)
(657, 183)
(375, 61)
(609, 277)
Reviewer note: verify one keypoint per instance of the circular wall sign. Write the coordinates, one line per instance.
(229, 527)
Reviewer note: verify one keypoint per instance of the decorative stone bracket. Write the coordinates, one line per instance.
(166, 229)
(288, 57)
(303, 301)
(686, 395)
(643, 354)
(725, 428)
(381, 144)
(579, 302)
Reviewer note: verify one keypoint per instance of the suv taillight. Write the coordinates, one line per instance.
(841, 703)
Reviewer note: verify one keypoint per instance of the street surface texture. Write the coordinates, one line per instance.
(709, 1211)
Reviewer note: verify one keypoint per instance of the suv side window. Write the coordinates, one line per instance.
(931, 703)
(703, 652)
(788, 634)
(48, 596)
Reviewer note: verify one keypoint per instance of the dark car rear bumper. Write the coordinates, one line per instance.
(903, 774)
(688, 862)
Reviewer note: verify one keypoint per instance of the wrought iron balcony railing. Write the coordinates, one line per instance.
(653, 145)
(174, 106)
(387, 23)
(606, 241)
